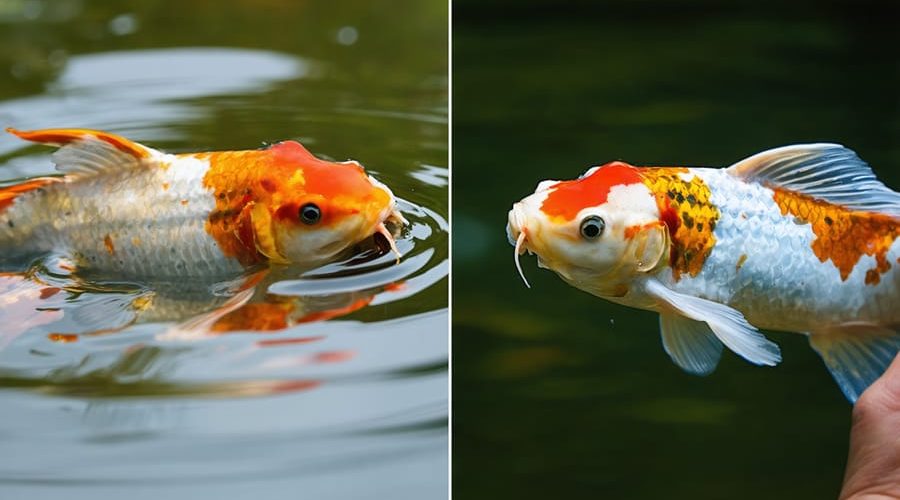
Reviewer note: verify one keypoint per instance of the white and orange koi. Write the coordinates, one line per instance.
(800, 238)
(129, 210)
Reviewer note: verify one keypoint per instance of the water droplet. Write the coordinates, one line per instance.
(124, 24)
(347, 35)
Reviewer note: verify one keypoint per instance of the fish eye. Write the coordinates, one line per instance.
(310, 213)
(592, 227)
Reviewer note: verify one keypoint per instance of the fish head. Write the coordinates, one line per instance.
(598, 232)
(311, 209)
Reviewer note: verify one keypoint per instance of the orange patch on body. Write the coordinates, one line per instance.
(567, 198)
(740, 263)
(686, 210)
(843, 236)
(108, 243)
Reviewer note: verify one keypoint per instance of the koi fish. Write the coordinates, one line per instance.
(800, 239)
(127, 209)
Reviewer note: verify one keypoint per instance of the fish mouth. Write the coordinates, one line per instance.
(396, 220)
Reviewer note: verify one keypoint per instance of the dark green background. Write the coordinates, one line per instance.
(557, 394)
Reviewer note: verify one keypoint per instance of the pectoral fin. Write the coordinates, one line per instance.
(728, 324)
(691, 344)
(856, 354)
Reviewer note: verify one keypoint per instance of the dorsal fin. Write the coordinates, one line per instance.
(828, 172)
(85, 152)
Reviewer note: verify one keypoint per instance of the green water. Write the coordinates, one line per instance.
(355, 406)
(557, 394)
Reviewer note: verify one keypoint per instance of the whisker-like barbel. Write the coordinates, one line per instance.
(519, 251)
(383, 230)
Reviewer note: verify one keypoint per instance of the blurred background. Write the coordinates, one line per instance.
(347, 408)
(558, 394)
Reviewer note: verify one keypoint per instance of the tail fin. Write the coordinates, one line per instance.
(857, 354)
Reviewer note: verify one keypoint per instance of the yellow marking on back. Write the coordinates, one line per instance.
(686, 209)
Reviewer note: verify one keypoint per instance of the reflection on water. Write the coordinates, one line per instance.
(329, 381)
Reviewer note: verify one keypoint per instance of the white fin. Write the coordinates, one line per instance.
(828, 172)
(91, 156)
(728, 324)
(856, 355)
(691, 344)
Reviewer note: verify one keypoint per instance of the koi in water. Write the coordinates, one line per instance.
(800, 239)
(126, 209)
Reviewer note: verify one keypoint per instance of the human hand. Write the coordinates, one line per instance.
(873, 465)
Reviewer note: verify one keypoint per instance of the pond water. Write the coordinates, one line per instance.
(345, 394)
(558, 394)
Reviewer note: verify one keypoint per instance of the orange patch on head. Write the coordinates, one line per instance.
(567, 198)
(280, 179)
(843, 236)
(685, 208)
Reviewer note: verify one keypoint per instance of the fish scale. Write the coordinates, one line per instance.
(161, 239)
(782, 285)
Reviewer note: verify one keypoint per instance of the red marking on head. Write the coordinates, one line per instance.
(322, 177)
(567, 198)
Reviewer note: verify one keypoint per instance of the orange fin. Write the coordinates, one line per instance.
(9, 194)
(88, 152)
